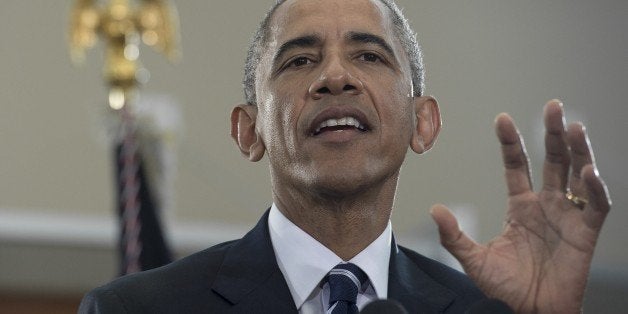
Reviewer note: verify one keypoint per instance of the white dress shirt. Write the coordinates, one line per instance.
(305, 262)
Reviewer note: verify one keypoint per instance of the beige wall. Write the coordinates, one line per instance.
(483, 57)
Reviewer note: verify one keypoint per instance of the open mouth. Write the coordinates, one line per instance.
(340, 124)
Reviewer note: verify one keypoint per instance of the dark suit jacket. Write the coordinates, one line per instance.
(242, 276)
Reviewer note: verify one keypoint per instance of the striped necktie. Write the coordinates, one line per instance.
(345, 281)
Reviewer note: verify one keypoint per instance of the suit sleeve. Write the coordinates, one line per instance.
(101, 301)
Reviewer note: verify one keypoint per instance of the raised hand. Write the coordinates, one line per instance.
(540, 262)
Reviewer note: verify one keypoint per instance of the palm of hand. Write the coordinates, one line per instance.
(532, 264)
(540, 262)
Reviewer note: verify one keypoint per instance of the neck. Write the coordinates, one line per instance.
(346, 223)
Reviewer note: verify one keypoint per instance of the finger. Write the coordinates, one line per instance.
(451, 237)
(557, 159)
(599, 200)
(581, 155)
(516, 163)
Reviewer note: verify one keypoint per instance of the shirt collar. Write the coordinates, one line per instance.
(304, 261)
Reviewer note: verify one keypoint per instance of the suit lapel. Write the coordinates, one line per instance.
(413, 288)
(251, 281)
(249, 277)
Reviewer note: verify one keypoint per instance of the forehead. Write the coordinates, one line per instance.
(329, 18)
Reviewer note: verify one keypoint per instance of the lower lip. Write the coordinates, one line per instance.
(340, 136)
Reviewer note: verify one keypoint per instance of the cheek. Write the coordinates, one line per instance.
(405, 104)
(278, 120)
(396, 109)
(286, 115)
(290, 97)
(400, 125)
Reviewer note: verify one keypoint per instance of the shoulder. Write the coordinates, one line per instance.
(184, 272)
(179, 283)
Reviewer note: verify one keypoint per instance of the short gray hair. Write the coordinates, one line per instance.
(403, 31)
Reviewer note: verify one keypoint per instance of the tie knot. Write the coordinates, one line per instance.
(345, 281)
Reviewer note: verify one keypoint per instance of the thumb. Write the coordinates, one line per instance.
(451, 237)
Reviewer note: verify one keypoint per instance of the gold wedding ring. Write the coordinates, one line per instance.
(578, 201)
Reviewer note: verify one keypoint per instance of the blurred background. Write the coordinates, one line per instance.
(58, 221)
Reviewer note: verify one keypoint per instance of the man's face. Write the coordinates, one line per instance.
(335, 110)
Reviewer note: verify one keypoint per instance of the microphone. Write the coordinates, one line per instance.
(384, 306)
(492, 306)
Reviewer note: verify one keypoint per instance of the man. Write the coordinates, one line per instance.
(335, 98)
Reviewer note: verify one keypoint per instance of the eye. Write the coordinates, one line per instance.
(299, 62)
(369, 57)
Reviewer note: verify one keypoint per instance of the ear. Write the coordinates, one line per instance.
(243, 132)
(428, 124)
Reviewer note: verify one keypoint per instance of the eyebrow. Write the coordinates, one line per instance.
(306, 41)
(368, 38)
(309, 41)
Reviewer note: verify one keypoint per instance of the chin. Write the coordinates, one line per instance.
(347, 183)
(340, 178)
(339, 187)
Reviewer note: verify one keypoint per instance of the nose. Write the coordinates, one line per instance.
(335, 79)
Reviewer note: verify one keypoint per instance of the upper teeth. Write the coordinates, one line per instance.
(342, 122)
